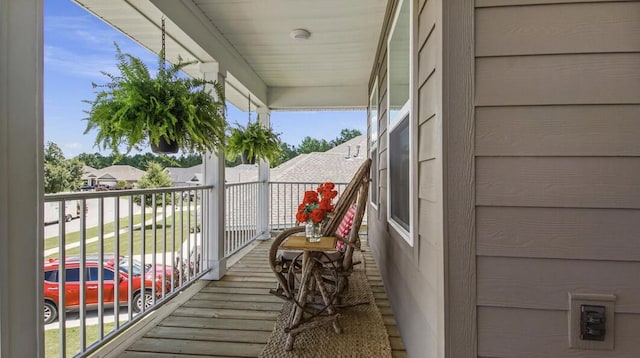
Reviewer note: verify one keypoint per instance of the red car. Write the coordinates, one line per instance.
(72, 286)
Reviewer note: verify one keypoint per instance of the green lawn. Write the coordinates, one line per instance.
(52, 340)
(181, 235)
(72, 237)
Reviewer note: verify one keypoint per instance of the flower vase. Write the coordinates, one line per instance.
(312, 232)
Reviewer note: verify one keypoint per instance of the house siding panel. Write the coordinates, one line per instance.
(557, 167)
(545, 283)
(558, 29)
(501, 333)
(594, 130)
(413, 275)
(558, 79)
(571, 182)
(563, 233)
(494, 3)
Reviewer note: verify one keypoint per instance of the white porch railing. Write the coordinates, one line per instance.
(148, 253)
(242, 216)
(164, 245)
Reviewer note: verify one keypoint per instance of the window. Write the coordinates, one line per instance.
(51, 276)
(107, 274)
(399, 132)
(374, 177)
(92, 274)
(399, 179)
(373, 143)
(72, 275)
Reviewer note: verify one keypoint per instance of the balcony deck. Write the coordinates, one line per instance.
(234, 317)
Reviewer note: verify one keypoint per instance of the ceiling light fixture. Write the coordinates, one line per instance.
(299, 34)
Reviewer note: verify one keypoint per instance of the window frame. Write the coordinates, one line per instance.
(374, 195)
(393, 123)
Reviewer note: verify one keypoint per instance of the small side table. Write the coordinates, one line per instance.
(311, 271)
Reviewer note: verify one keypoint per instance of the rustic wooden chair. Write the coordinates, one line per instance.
(338, 265)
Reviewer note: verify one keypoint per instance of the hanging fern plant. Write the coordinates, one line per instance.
(135, 109)
(253, 142)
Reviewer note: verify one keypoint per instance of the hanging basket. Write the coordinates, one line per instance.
(248, 160)
(165, 146)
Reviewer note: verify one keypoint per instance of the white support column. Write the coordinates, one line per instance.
(213, 174)
(21, 182)
(264, 118)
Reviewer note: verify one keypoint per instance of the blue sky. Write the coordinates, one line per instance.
(78, 46)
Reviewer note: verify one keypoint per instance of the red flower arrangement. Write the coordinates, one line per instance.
(317, 204)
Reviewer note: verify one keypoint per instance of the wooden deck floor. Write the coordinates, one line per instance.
(234, 317)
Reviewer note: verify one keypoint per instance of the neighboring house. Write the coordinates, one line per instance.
(288, 181)
(338, 164)
(291, 179)
(242, 173)
(185, 176)
(89, 175)
(111, 175)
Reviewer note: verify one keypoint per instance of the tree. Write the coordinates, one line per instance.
(287, 152)
(60, 174)
(310, 145)
(155, 177)
(345, 135)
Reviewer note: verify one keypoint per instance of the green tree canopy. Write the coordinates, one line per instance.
(60, 174)
(98, 161)
(345, 135)
(155, 177)
(310, 145)
(287, 152)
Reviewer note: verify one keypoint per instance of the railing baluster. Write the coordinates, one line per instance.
(83, 281)
(188, 239)
(116, 260)
(173, 242)
(154, 228)
(100, 267)
(130, 261)
(62, 280)
(143, 243)
(196, 233)
(164, 243)
(181, 240)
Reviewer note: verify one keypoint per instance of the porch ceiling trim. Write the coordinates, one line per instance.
(336, 97)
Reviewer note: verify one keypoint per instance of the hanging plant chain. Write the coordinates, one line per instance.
(163, 53)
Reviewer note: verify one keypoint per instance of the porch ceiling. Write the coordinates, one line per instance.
(250, 39)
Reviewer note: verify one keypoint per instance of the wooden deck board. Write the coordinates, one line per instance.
(235, 297)
(253, 306)
(234, 317)
(132, 354)
(229, 323)
(197, 347)
(201, 334)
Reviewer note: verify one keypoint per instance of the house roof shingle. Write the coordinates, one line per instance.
(120, 172)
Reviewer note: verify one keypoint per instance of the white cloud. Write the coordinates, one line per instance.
(73, 145)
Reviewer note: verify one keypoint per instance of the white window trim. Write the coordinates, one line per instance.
(374, 146)
(406, 109)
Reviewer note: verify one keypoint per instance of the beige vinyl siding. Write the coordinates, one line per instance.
(569, 130)
(414, 274)
(501, 333)
(557, 171)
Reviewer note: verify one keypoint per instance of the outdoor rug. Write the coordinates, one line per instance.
(363, 330)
